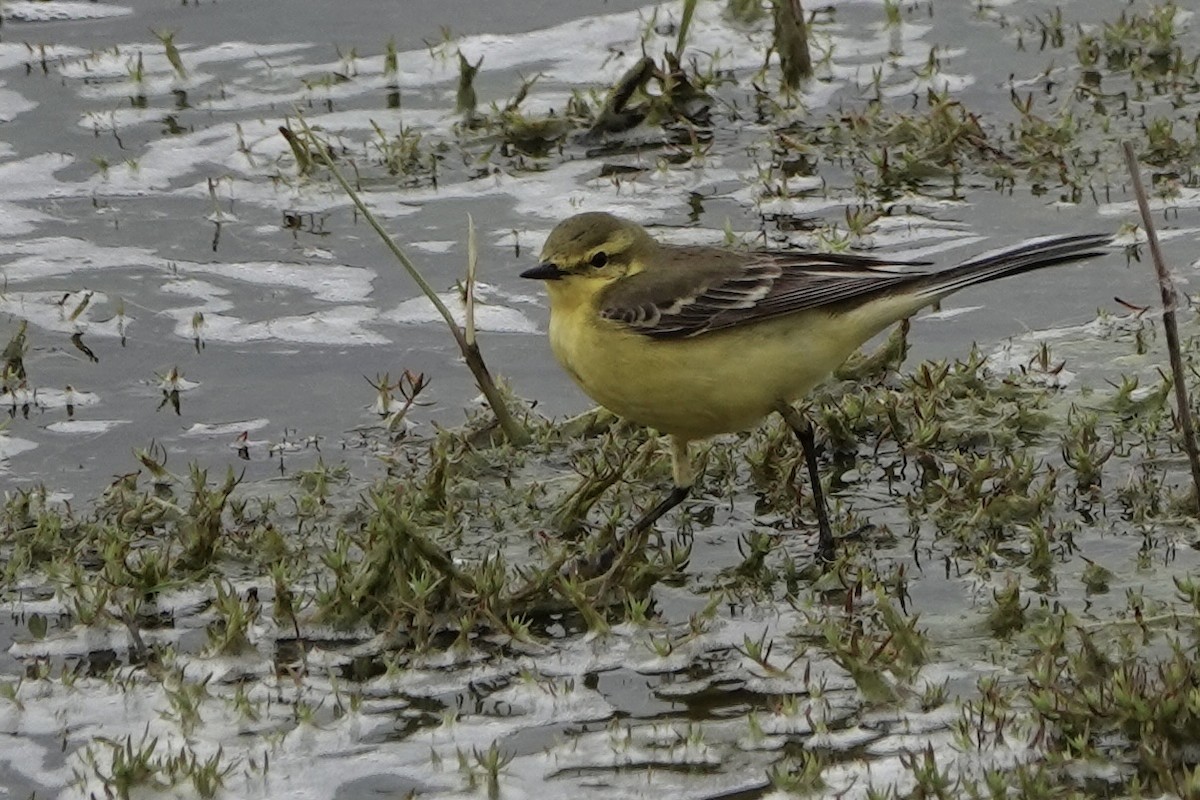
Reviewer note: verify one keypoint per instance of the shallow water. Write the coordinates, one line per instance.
(127, 207)
(101, 202)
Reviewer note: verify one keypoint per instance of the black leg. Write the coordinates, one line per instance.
(684, 475)
(633, 541)
(676, 496)
(826, 549)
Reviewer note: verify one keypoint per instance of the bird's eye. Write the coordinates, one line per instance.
(599, 260)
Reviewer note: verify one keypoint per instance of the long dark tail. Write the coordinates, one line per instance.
(1022, 258)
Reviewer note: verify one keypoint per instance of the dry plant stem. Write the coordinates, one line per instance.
(299, 151)
(1167, 288)
(513, 430)
(472, 268)
(614, 117)
(791, 42)
(685, 22)
(634, 78)
(826, 549)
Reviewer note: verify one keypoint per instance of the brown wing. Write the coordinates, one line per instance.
(704, 289)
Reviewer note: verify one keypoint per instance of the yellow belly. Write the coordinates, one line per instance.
(719, 382)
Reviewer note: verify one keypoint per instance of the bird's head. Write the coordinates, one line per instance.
(595, 247)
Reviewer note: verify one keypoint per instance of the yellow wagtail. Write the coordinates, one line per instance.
(697, 341)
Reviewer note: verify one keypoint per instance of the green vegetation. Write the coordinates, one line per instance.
(1054, 510)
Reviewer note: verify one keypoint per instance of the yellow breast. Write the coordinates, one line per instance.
(697, 387)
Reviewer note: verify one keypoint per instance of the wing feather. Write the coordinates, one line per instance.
(706, 290)
(695, 290)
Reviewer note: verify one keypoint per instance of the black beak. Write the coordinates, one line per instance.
(544, 272)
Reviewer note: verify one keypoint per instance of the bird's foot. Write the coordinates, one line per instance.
(826, 549)
(616, 555)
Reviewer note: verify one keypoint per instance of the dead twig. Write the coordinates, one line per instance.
(1167, 288)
